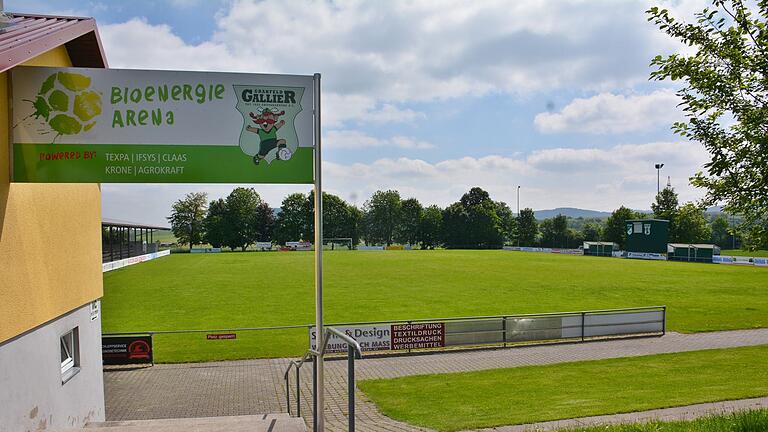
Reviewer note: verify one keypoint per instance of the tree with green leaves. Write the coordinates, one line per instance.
(592, 232)
(430, 227)
(291, 222)
(187, 216)
(554, 231)
(527, 227)
(407, 231)
(472, 222)
(573, 238)
(507, 222)
(264, 222)
(616, 226)
(666, 205)
(720, 231)
(214, 223)
(241, 218)
(454, 234)
(382, 213)
(337, 221)
(356, 218)
(691, 225)
(724, 96)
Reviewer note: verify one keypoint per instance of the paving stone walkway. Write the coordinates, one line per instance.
(256, 386)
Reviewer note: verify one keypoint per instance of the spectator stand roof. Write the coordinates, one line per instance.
(107, 222)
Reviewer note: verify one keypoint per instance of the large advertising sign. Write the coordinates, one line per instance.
(386, 337)
(140, 126)
(370, 338)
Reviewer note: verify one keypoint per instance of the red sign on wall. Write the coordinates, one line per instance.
(220, 336)
(415, 336)
(126, 350)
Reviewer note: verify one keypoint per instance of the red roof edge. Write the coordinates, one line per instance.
(79, 36)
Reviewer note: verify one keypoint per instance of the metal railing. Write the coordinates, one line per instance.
(499, 330)
(353, 351)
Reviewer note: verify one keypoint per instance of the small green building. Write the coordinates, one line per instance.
(647, 235)
(692, 252)
(599, 248)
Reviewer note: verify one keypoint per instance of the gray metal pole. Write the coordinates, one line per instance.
(314, 393)
(320, 392)
(298, 393)
(351, 386)
(518, 215)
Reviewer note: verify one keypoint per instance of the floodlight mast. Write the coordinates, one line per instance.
(319, 413)
(658, 166)
(518, 215)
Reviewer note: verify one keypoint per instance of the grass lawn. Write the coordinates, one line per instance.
(743, 421)
(741, 252)
(202, 291)
(450, 402)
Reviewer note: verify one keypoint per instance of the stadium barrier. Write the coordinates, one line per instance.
(545, 250)
(647, 256)
(109, 266)
(476, 331)
(740, 260)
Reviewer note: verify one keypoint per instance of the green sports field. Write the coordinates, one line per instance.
(742, 421)
(483, 399)
(202, 291)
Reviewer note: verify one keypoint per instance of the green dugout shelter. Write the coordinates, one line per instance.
(691, 252)
(599, 248)
(647, 235)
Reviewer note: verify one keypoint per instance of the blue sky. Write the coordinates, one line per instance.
(433, 97)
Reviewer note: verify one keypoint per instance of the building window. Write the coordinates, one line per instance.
(70, 356)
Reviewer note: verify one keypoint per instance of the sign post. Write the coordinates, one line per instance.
(320, 396)
(80, 125)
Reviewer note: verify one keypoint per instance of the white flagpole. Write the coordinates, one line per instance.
(320, 414)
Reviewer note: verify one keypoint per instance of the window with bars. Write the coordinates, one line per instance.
(70, 356)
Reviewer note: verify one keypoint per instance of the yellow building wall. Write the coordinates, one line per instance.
(50, 237)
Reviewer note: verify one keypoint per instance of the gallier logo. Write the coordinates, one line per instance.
(269, 113)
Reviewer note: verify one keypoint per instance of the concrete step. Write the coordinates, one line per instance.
(249, 423)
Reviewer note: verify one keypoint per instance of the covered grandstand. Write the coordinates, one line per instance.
(123, 239)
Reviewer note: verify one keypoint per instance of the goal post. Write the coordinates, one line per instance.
(333, 243)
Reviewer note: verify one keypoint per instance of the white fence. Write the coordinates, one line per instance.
(105, 267)
(498, 330)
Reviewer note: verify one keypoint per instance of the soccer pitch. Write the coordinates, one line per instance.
(253, 289)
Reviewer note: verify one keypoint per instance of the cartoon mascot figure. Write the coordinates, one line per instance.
(267, 125)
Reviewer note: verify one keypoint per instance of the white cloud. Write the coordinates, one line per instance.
(340, 109)
(608, 113)
(599, 179)
(352, 139)
(400, 51)
(140, 45)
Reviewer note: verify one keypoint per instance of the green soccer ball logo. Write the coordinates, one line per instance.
(66, 104)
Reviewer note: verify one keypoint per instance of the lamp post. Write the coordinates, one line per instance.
(658, 166)
(518, 215)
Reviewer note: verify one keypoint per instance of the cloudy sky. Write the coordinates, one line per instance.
(433, 97)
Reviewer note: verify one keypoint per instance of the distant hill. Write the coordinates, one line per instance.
(570, 212)
(584, 213)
